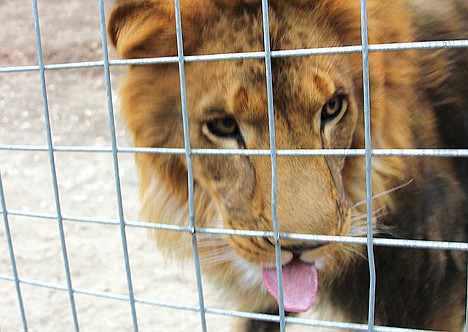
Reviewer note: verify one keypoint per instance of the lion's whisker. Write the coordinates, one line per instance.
(383, 193)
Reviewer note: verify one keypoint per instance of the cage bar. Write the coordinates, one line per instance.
(271, 128)
(52, 164)
(368, 158)
(388, 242)
(188, 157)
(427, 45)
(115, 159)
(441, 153)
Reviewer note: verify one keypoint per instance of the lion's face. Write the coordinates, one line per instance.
(313, 110)
(318, 104)
(316, 101)
(314, 107)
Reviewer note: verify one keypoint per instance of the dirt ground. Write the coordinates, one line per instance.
(78, 111)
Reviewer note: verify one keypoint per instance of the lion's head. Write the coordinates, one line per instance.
(317, 104)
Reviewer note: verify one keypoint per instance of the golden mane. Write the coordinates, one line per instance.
(318, 104)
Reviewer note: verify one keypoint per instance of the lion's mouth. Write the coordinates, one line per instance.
(300, 284)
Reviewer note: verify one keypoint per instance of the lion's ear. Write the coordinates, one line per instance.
(145, 28)
(142, 29)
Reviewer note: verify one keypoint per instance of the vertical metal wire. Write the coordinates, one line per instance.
(368, 158)
(188, 155)
(12, 256)
(271, 126)
(115, 158)
(52, 163)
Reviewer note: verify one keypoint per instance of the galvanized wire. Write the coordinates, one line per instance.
(440, 153)
(52, 164)
(271, 128)
(368, 157)
(393, 47)
(188, 157)
(388, 242)
(115, 159)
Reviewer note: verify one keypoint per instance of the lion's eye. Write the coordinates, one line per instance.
(224, 128)
(333, 107)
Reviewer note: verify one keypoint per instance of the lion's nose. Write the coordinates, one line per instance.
(299, 248)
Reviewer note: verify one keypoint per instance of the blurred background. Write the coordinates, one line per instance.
(79, 117)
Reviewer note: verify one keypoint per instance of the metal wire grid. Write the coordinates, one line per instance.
(267, 55)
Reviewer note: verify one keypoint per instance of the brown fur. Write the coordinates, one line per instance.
(411, 93)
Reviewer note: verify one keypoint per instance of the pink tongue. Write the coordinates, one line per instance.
(299, 285)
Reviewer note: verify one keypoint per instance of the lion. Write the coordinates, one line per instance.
(418, 100)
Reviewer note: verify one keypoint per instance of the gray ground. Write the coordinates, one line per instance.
(78, 111)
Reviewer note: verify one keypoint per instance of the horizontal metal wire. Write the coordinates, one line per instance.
(445, 44)
(212, 311)
(458, 153)
(388, 242)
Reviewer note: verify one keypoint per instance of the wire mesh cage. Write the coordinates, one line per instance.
(68, 185)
